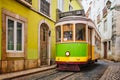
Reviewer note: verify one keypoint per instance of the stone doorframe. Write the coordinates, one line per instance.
(49, 42)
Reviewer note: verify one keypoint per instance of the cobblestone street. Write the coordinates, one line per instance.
(102, 70)
(112, 72)
(59, 39)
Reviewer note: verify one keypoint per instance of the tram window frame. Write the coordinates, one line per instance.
(89, 35)
(58, 34)
(67, 32)
(78, 38)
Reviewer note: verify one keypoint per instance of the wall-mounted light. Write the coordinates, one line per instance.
(49, 33)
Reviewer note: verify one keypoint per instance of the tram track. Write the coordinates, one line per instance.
(66, 76)
(40, 78)
(58, 76)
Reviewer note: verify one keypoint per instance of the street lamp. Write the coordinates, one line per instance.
(108, 4)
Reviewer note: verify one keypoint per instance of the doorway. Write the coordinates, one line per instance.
(105, 50)
(44, 37)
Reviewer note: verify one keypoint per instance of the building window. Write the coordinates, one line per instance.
(60, 5)
(109, 48)
(45, 7)
(70, 8)
(14, 36)
(80, 31)
(99, 28)
(105, 25)
(113, 39)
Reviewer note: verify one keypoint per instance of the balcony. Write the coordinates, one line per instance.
(71, 13)
(104, 11)
(98, 18)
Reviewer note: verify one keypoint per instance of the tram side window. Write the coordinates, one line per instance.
(80, 31)
(58, 34)
(97, 43)
(67, 32)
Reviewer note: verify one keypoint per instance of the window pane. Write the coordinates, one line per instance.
(80, 32)
(45, 7)
(60, 5)
(67, 32)
(10, 35)
(19, 36)
(70, 8)
(48, 1)
(58, 33)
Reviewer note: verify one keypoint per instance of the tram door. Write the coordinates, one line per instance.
(90, 43)
(44, 44)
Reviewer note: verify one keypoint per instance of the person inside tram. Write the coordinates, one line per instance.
(67, 35)
(80, 35)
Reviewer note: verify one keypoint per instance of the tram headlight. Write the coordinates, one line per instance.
(67, 53)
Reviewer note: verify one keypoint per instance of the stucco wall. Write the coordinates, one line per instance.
(33, 24)
(0, 30)
(73, 3)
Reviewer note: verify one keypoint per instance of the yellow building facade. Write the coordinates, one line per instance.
(27, 32)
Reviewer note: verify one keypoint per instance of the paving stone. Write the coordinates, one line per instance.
(112, 73)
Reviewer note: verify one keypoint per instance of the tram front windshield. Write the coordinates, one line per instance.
(68, 32)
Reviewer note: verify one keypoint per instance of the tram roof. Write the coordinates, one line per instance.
(77, 19)
(74, 19)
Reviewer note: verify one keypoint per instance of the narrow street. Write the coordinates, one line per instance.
(90, 72)
(58, 39)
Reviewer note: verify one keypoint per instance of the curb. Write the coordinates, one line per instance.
(25, 72)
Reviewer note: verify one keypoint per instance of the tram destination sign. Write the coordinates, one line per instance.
(72, 13)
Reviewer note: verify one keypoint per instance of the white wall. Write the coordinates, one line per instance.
(97, 7)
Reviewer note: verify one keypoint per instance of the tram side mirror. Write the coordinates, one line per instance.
(49, 33)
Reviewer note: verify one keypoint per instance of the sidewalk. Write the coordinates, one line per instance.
(112, 72)
(25, 72)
